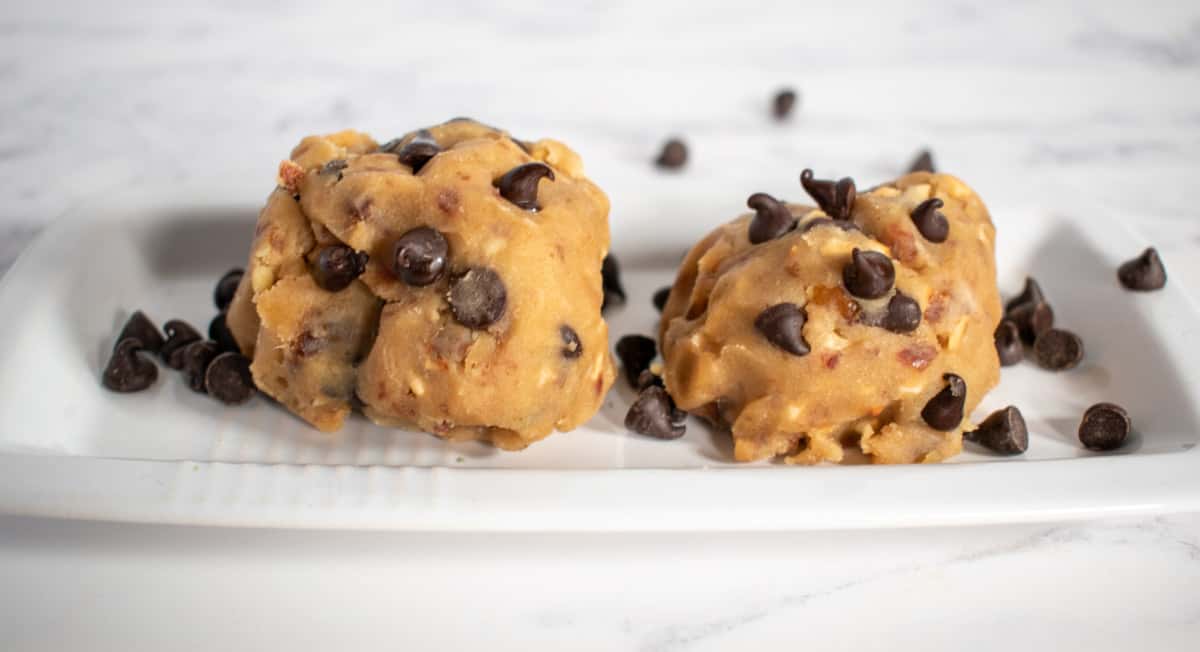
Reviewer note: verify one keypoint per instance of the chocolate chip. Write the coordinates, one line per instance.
(1144, 273)
(945, 410)
(1032, 320)
(931, 223)
(903, 314)
(572, 347)
(337, 266)
(478, 298)
(610, 279)
(674, 155)
(179, 334)
(1030, 294)
(218, 331)
(1104, 427)
(654, 414)
(771, 218)
(196, 358)
(142, 329)
(228, 378)
(419, 256)
(836, 198)
(1008, 343)
(661, 296)
(1058, 349)
(784, 102)
(519, 185)
(648, 378)
(869, 274)
(845, 225)
(636, 352)
(1002, 432)
(127, 371)
(922, 163)
(336, 165)
(417, 152)
(782, 324)
(226, 288)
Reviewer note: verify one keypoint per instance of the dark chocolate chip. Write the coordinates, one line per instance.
(572, 347)
(1008, 343)
(1031, 294)
(654, 414)
(1144, 273)
(674, 155)
(142, 329)
(519, 185)
(903, 314)
(478, 298)
(179, 334)
(218, 331)
(419, 256)
(196, 358)
(1058, 349)
(771, 218)
(922, 163)
(610, 279)
(784, 102)
(661, 296)
(418, 151)
(335, 166)
(1032, 319)
(1104, 427)
(931, 223)
(836, 198)
(337, 266)
(226, 288)
(782, 324)
(648, 378)
(127, 371)
(636, 352)
(869, 274)
(945, 410)
(845, 225)
(1002, 432)
(228, 378)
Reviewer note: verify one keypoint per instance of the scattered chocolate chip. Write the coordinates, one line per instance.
(654, 414)
(179, 334)
(218, 331)
(1144, 273)
(636, 352)
(196, 358)
(1030, 294)
(336, 165)
(869, 274)
(674, 155)
(142, 329)
(922, 163)
(610, 279)
(419, 256)
(845, 225)
(782, 324)
(931, 223)
(1032, 320)
(661, 296)
(572, 347)
(519, 185)
(1008, 343)
(836, 198)
(784, 102)
(1002, 432)
(417, 152)
(648, 378)
(903, 314)
(771, 218)
(226, 288)
(337, 266)
(1058, 349)
(945, 410)
(127, 371)
(1104, 427)
(228, 378)
(478, 298)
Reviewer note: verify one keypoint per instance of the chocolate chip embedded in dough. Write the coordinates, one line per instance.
(903, 314)
(610, 279)
(1002, 432)
(930, 221)
(419, 256)
(1008, 343)
(782, 324)
(478, 298)
(196, 358)
(142, 329)
(673, 156)
(337, 266)
(228, 378)
(635, 352)
(771, 218)
(218, 331)
(1058, 349)
(127, 371)
(869, 274)
(519, 185)
(654, 414)
(418, 151)
(945, 410)
(335, 166)
(1104, 427)
(572, 348)
(922, 163)
(835, 198)
(179, 334)
(227, 287)
(783, 103)
(661, 296)
(1144, 273)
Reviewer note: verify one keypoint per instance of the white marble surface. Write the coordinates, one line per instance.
(1055, 104)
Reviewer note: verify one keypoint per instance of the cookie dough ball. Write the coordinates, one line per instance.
(864, 325)
(447, 281)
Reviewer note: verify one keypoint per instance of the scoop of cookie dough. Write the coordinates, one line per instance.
(871, 333)
(446, 281)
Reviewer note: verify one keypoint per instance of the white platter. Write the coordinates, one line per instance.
(70, 449)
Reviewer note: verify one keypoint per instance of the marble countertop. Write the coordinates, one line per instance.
(1059, 104)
